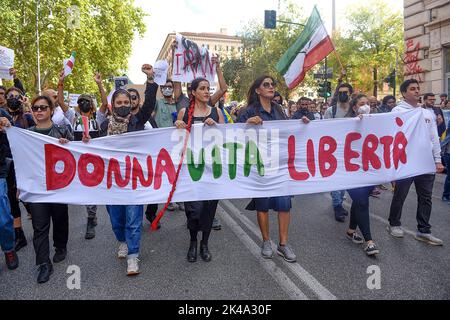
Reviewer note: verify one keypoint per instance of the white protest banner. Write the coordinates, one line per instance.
(191, 61)
(73, 99)
(6, 62)
(223, 162)
(160, 68)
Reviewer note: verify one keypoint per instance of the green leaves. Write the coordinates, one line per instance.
(369, 47)
(102, 39)
(262, 50)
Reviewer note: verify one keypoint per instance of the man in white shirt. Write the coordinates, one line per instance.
(423, 183)
(60, 117)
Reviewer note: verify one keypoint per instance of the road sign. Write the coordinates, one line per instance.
(323, 76)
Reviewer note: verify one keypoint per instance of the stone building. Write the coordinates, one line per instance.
(427, 44)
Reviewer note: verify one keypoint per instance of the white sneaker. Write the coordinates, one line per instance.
(396, 232)
(429, 238)
(133, 266)
(123, 251)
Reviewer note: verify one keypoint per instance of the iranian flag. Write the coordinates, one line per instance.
(68, 64)
(311, 47)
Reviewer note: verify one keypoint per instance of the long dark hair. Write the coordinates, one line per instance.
(117, 93)
(194, 86)
(351, 111)
(252, 96)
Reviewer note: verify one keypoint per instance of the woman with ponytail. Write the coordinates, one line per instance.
(260, 107)
(200, 214)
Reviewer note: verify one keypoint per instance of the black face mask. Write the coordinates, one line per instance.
(343, 97)
(85, 106)
(13, 103)
(122, 111)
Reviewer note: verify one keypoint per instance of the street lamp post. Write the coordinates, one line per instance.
(395, 71)
(37, 46)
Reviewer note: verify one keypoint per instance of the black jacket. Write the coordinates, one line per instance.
(57, 132)
(303, 113)
(5, 151)
(137, 121)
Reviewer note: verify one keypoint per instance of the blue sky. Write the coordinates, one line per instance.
(212, 15)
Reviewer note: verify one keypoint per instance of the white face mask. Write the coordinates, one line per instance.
(167, 92)
(365, 109)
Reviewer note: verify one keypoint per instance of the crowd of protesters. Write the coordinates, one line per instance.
(48, 114)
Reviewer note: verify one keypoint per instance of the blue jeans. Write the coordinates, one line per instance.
(446, 193)
(337, 198)
(7, 235)
(126, 223)
(359, 212)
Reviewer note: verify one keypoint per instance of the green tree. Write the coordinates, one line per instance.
(100, 31)
(369, 47)
(262, 50)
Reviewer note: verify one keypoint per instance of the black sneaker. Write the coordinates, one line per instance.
(90, 229)
(355, 237)
(204, 252)
(371, 249)
(60, 255)
(216, 224)
(338, 214)
(21, 241)
(12, 261)
(45, 271)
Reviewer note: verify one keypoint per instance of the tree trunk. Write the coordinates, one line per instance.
(375, 82)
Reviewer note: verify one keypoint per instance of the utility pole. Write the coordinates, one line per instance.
(333, 6)
(37, 46)
(395, 70)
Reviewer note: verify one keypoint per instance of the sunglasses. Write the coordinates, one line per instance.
(134, 97)
(269, 84)
(12, 96)
(39, 108)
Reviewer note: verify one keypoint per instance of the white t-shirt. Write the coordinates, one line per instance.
(62, 118)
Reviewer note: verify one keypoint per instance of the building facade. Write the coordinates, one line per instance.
(427, 44)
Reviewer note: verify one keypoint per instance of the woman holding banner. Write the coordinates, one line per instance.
(359, 212)
(260, 107)
(126, 220)
(200, 214)
(85, 127)
(43, 108)
(15, 103)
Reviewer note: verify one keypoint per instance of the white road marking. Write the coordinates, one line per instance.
(269, 266)
(303, 275)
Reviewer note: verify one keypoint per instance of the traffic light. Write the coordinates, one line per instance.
(325, 89)
(390, 79)
(270, 19)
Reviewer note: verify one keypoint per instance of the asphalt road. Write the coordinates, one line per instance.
(329, 266)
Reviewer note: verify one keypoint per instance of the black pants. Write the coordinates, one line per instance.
(42, 213)
(359, 212)
(12, 192)
(424, 189)
(200, 214)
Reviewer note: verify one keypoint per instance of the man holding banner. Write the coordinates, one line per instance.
(423, 183)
